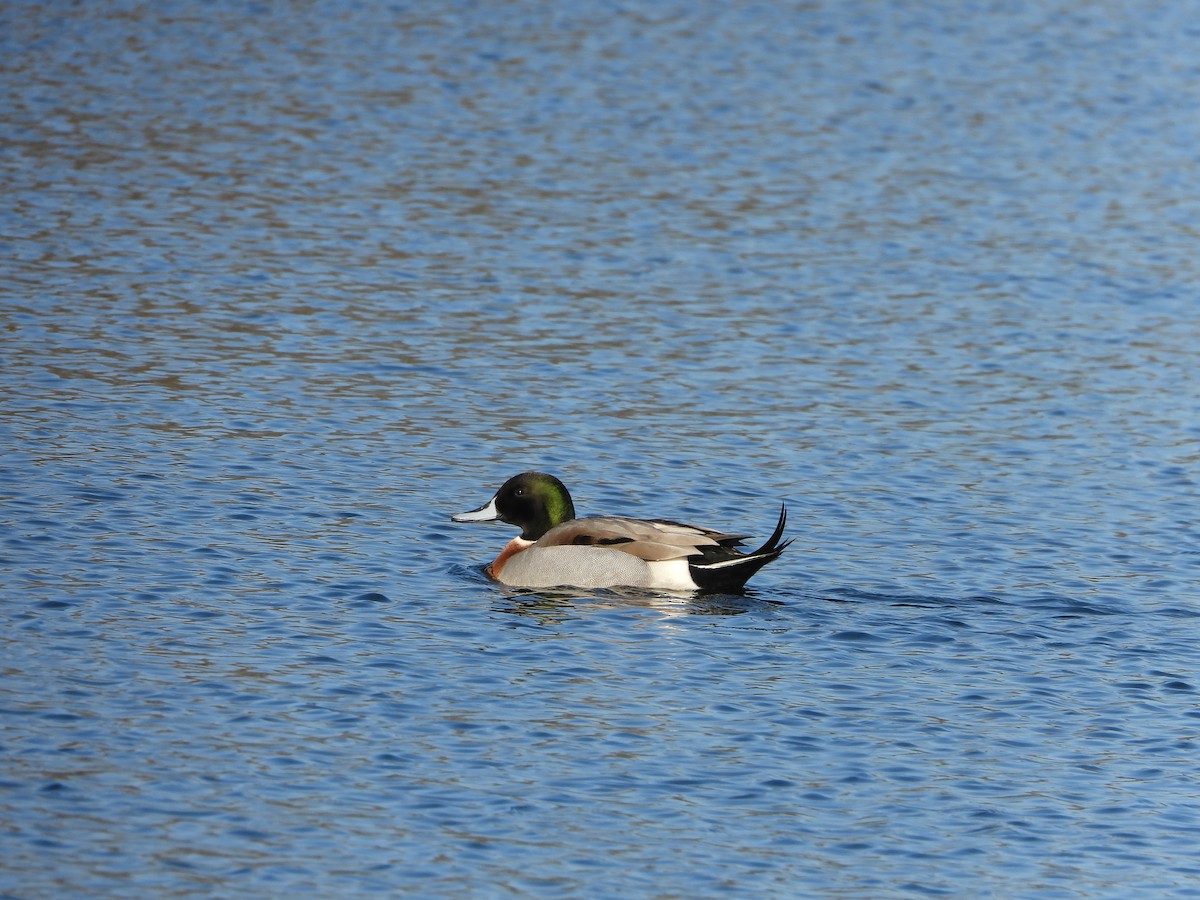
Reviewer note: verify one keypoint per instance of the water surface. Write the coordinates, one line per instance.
(285, 286)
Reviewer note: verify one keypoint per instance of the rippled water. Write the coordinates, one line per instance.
(285, 285)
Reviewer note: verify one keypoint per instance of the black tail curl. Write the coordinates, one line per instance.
(726, 570)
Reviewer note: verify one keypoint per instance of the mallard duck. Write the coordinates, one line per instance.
(556, 549)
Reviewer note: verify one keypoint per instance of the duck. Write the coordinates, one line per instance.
(555, 549)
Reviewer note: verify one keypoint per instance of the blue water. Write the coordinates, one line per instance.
(285, 285)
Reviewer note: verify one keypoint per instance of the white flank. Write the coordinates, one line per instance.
(671, 575)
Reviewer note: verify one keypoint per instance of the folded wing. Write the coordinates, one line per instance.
(651, 540)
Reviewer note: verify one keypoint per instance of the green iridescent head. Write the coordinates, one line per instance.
(533, 501)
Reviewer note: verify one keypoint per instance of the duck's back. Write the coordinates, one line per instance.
(648, 539)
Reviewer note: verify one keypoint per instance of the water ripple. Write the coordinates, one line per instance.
(285, 287)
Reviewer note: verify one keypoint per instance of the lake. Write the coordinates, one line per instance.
(286, 285)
